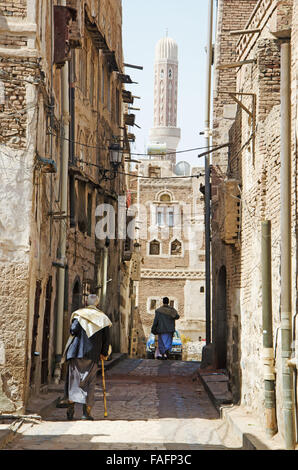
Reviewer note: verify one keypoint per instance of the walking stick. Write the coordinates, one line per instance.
(104, 387)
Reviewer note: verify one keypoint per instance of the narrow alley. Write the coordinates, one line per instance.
(151, 405)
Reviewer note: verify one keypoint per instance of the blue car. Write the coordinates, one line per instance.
(176, 351)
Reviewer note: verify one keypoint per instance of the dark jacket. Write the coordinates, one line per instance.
(164, 321)
(88, 348)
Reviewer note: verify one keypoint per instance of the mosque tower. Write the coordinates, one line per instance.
(165, 131)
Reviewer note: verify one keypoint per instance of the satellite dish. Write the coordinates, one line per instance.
(182, 169)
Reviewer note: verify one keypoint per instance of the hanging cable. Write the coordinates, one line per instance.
(132, 153)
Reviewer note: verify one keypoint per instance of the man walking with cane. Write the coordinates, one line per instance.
(87, 346)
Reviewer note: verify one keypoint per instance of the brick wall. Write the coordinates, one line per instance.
(231, 16)
(14, 288)
(259, 175)
(16, 8)
(15, 75)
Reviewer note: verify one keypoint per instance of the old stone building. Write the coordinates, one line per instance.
(169, 215)
(62, 119)
(248, 186)
(170, 231)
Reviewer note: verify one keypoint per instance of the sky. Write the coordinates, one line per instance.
(145, 22)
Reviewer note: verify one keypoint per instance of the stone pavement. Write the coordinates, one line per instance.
(152, 405)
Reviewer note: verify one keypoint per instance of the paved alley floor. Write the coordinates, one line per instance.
(152, 405)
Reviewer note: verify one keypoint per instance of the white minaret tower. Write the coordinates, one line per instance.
(165, 97)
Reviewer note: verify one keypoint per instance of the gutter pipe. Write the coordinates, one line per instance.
(286, 265)
(207, 134)
(63, 223)
(268, 351)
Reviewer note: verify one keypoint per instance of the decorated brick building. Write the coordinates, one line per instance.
(170, 213)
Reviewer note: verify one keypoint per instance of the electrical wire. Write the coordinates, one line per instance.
(132, 153)
(138, 176)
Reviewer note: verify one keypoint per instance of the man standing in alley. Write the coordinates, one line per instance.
(88, 344)
(164, 327)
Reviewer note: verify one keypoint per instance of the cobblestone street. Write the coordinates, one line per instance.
(152, 405)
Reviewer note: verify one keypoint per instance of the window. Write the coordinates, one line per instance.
(154, 171)
(165, 197)
(102, 84)
(83, 71)
(162, 73)
(202, 289)
(154, 248)
(89, 215)
(176, 247)
(160, 217)
(152, 304)
(92, 78)
(72, 201)
(170, 73)
(164, 216)
(109, 93)
(171, 218)
(118, 114)
(82, 219)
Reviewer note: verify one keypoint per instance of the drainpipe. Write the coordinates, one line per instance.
(105, 277)
(286, 265)
(63, 223)
(207, 172)
(268, 351)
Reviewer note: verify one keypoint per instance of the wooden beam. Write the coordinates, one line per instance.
(241, 105)
(244, 31)
(139, 67)
(235, 64)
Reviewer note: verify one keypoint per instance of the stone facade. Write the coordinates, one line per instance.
(169, 213)
(253, 163)
(39, 134)
(170, 230)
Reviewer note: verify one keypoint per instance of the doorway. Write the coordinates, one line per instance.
(221, 320)
(76, 295)
(35, 330)
(46, 334)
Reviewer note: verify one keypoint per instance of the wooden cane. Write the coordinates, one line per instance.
(104, 387)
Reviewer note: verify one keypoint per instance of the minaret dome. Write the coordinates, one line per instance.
(166, 48)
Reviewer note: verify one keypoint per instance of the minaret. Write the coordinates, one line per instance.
(165, 97)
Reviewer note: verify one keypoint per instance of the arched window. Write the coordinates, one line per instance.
(154, 248)
(165, 197)
(176, 247)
